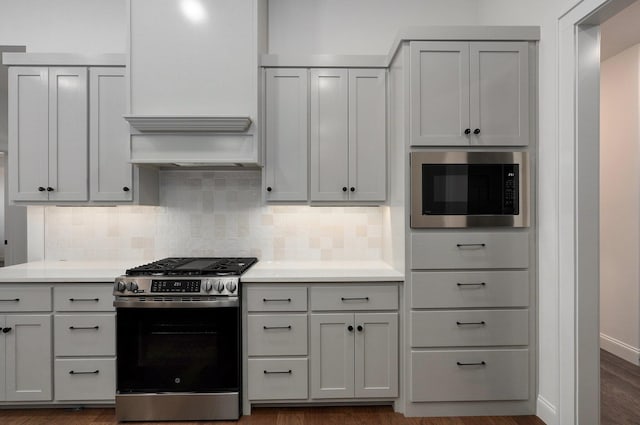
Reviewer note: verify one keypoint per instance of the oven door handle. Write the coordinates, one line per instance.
(218, 303)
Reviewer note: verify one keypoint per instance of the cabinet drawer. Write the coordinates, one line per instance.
(467, 328)
(278, 379)
(271, 334)
(470, 375)
(470, 289)
(470, 250)
(276, 298)
(25, 299)
(83, 298)
(360, 297)
(85, 379)
(85, 335)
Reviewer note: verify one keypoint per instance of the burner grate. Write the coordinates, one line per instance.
(194, 266)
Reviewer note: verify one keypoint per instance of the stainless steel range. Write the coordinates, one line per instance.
(178, 339)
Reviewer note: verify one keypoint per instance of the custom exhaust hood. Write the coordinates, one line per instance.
(193, 81)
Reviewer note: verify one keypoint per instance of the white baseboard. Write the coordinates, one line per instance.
(546, 411)
(620, 349)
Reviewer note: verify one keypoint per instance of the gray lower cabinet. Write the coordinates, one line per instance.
(84, 343)
(25, 344)
(470, 323)
(277, 342)
(316, 342)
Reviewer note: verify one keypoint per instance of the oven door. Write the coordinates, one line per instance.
(178, 350)
(469, 189)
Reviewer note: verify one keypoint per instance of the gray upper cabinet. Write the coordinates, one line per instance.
(68, 141)
(48, 134)
(111, 172)
(286, 132)
(469, 93)
(348, 135)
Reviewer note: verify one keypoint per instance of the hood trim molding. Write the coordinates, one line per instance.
(189, 123)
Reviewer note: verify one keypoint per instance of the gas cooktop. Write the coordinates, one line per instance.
(194, 266)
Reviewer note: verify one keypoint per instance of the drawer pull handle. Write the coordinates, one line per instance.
(276, 372)
(472, 284)
(77, 328)
(482, 323)
(94, 372)
(6, 330)
(276, 300)
(266, 328)
(73, 300)
(471, 245)
(11, 300)
(354, 299)
(482, 363)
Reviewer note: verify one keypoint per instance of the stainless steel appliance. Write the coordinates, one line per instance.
(178, 340)
(469, 189)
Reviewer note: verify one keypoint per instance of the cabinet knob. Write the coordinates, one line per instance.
(360, 328)
(126, 189)
(6, 330)
(344, 189)
(350, 328)
(353, 189)
(476, 131)
(467, 131)
(269, 189)
(41, 189)
(49, 189)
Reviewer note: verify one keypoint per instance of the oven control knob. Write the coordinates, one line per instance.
(120, 286)
(132, 286)
(231, 286)
(208, 286)
(218, 286)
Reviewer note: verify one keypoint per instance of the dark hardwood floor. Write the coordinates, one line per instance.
(265, 416)
(619, 391)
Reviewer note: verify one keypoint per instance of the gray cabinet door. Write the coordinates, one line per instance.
(286, 133)
(28, 358)
(111, 172)
(329, 135)
(28, 133)
(367, 135)
(3, 357)
(439, 93)
(68, 156)
(332, 355)
(499, 79)
(376, 355)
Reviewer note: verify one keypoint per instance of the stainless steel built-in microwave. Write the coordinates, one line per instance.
(469, 189)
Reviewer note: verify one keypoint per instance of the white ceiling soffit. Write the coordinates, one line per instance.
(620, 32)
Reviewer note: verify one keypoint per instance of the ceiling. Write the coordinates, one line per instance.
(620, 32)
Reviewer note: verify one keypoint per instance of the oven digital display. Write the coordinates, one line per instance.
(167, 285)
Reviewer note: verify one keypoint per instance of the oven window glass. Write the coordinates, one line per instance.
(470, 189)
(178, 350)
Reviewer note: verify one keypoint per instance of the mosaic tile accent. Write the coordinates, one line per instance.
(213, 213)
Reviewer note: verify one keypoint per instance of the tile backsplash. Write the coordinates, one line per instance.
(212, 213)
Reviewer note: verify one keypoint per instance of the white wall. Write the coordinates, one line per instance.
(208, 213)
(75, 26)
(356, 26)
(620, 204)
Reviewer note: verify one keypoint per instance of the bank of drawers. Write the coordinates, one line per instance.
(469, 322)
(84, 343)
(277, 343)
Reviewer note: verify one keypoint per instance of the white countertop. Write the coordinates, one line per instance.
(321, 271)
(65, 271)
(262, 271)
